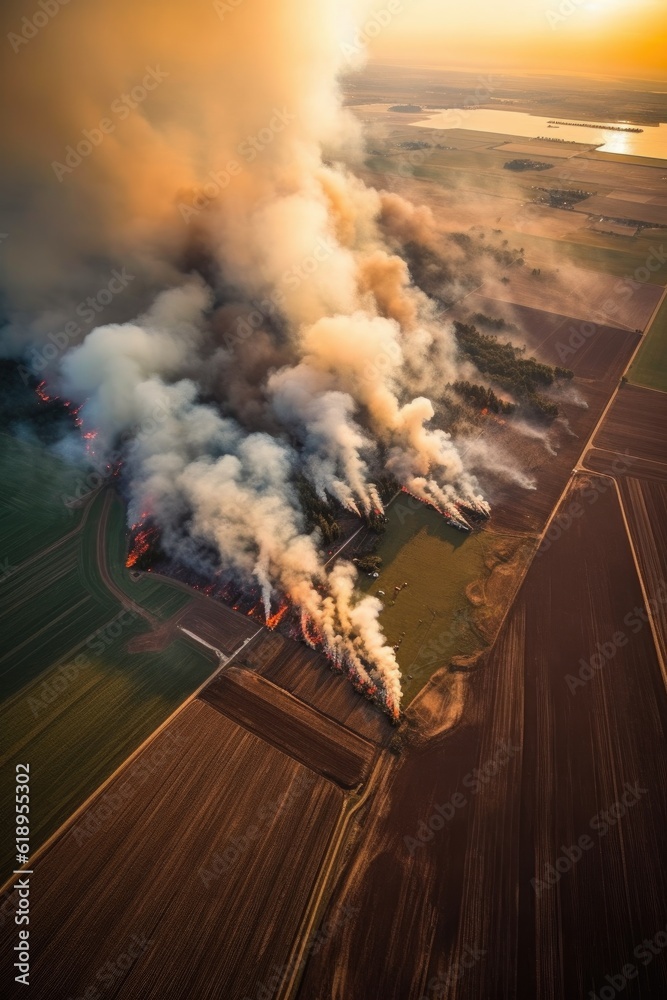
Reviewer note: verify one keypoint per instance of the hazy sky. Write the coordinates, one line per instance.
(601, 37)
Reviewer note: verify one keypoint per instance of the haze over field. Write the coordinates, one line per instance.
(611, 38)
(277, 334)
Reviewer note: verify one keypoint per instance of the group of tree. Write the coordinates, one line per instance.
(318, 514)
(494, 323)
(430, 271)
(562, 197)
(483, 398)
(526, 165)
(369, 563)
(506, 365)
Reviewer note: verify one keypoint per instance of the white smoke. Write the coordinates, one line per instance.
(335, 382)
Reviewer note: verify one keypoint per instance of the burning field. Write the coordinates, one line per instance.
(282, 358)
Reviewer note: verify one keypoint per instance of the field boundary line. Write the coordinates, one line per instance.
(62, 829)
(654, 632)
(61, 541)
(648, 388)
(288, 987)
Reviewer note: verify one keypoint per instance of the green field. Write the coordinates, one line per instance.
(33, 514)
(621, 260)
(650, 366)
(75, 702)
(437, 562)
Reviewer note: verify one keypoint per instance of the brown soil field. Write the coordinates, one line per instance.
(616, 208)
(545, 150)
(217, 624)
(593, 172)
(515, 508)
(612, 463)
(636, 424)
(296, 729)
(464, 894)
(654, 163)
(593, 351)
(585, 295)
(617, 228)
(308, 675)
(601, 359)
(540, 220)
(645, 505)
(144, 880)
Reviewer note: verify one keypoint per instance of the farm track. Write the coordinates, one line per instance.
(468, 887)
(101, 553)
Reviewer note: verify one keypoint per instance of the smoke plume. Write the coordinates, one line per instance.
(268, 330)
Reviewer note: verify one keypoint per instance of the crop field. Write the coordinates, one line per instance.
(616, 208)
(433, 617)
(75, 701)
(595, 352)
(545, 150)
(288, 724)
(636, 424)
(590, 297)
(573, 754)
(33, 514)
(308, 675)
(601, 358)
(158, 596)
(590, 171)
(216, 624)
(79, 720)
(620, 261)
(547, 240)
(196, 855)
(650, 366)
(645, 505)
(648, 161)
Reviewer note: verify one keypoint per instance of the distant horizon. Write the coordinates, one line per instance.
(509, 72)
(605, 38)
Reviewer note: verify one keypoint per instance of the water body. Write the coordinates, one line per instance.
(651, 142)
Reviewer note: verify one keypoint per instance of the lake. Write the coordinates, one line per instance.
(651, 142)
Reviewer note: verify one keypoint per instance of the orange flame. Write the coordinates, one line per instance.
(276, 619)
